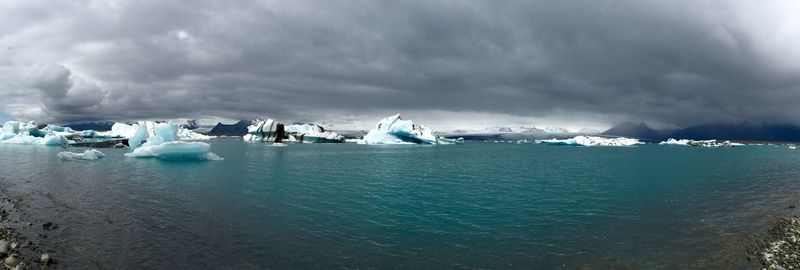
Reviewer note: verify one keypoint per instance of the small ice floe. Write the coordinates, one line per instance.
(792, 147)
(91, 154)
(277, 144)
(593, 141)
(701, 143)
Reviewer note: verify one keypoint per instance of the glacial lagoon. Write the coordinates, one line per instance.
(335, 206)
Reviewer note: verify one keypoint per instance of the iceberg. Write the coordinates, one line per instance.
(264, 131)
(10, 129)
(593, 141)
(15, 132)
(118, 130)
(175, 150)
(49, 140)
(57, 128)
(312, 133)
(700, 143)
(185, 134)
(160, 140)
(91, 154)
(395, 130)
(122, 130)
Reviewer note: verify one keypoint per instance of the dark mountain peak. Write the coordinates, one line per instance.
(238, 129)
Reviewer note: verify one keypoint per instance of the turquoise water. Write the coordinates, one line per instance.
(478, 205)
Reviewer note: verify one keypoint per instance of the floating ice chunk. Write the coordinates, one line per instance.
(15, 132)
(175, 150)
(119, 130)
(4, 134)
(139, 136)
(701, 143)
(265, 131)
(58, 128)
(48, 140)
(159, 141)
(395, 130)
(20, 133)
(312, 133)
(185, 134)
(672, 141)
(54, 140)
(91, 154)
(88, 133)
(443, 140)
(23, 139)
(11, 128)
(593, 141)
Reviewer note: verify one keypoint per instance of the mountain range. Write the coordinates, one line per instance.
(744, 131)
(98, 126)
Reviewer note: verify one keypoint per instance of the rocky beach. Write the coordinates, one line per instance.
(780, 246)
(24, 244)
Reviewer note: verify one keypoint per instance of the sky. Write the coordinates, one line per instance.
(447, 64)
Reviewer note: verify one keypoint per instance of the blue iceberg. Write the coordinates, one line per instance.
(15, 132)
(160, 140)
(395, 130)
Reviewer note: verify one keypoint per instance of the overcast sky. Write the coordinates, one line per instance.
(447, 64)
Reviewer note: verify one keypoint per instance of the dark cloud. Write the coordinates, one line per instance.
(65, 95)
(674, 63)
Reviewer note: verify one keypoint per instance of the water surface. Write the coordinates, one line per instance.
(478, 205)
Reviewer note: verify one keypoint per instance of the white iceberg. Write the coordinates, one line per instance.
(593, 141)
(185, 134)
(122, 130)
(91, 154)
(164, 144)
(395, 130)
(700, 143)
(118, 130)
(312, 133)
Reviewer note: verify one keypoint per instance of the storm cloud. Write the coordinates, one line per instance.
(350, 62)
